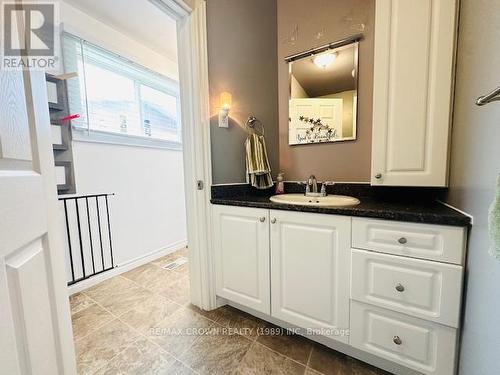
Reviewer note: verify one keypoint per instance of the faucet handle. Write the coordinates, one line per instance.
(324, 185)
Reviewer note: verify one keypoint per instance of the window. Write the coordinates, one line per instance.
(115, 96)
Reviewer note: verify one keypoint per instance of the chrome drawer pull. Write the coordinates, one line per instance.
(402, 240)
(262, 219)
(397, 340)
(400, 288)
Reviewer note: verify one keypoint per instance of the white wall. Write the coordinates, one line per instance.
(147, 212)
(475, 165)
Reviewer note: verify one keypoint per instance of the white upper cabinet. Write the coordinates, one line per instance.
(241, 245)
(413, 91)
(310, 257)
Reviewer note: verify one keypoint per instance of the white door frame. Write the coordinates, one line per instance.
(193, 79)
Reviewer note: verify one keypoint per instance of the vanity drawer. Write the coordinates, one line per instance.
(426, 347)
(424, 241)
(424, 289)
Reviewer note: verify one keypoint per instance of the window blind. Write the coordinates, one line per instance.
(113, 94)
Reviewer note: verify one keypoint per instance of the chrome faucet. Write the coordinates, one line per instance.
(312, 187)
(313, 184)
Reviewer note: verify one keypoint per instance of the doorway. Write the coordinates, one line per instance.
(132, 295)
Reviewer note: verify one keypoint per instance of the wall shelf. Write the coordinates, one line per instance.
(61, 134)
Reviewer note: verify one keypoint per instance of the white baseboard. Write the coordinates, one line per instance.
(126, 266)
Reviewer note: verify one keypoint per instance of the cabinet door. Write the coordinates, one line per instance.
(241, 244)
(413, 84)
(310, 263)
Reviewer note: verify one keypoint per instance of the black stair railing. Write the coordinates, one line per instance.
(88, 230)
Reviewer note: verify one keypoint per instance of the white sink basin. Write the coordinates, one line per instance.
(328, 201)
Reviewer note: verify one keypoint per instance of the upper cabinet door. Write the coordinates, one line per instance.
(310, 264)
(241, 245)
(413, 91)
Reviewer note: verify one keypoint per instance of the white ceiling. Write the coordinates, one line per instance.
(139, 19)
(337, 77)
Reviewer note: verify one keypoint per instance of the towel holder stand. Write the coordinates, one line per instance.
(252, 125)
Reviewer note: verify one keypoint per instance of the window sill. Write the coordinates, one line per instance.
(95, 136)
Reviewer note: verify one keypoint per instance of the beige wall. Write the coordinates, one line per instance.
(242, 60)
(347, 110)
(296, 89)
(191, 3)
(341, 161)
(475, 165)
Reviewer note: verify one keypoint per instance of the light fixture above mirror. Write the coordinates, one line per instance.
(325, 59)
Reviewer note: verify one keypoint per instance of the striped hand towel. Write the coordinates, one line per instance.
(258, 169)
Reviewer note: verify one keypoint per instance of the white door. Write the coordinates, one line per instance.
(329, 111)
(35, 321)
(413, 86)
(241, 245)
(310, 264)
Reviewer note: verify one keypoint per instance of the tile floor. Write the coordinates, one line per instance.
(141, 322)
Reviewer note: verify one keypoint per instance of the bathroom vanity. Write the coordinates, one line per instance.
(383, 278)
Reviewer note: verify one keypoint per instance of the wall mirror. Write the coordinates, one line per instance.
(323, 93)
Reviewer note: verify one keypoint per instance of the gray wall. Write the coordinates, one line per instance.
(475, 164)
(340, 161)
(242, 60)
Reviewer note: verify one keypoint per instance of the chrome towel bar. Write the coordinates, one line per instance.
(488, 98)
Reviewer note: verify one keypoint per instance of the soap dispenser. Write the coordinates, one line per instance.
(280, 185)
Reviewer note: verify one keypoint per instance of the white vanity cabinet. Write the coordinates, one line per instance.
(406, 298)
(241, 252)
(413, 91)
(310, 271)
(385, 288)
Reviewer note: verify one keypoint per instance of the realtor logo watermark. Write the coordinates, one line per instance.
(30, 35)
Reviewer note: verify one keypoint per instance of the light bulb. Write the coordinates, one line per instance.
(322, 61)
(225, 100)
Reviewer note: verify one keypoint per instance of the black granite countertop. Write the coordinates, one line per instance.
(401, 204)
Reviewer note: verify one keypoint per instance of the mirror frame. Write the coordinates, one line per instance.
(352, 40)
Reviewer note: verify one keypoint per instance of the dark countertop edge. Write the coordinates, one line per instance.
(455, 219)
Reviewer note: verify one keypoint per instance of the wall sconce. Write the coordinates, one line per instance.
(225, 106)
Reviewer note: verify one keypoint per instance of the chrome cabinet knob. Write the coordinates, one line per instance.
(262, 219)
(400, 288)
(402, 240)
(378, 176)
(273, 220)
(397, 340)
